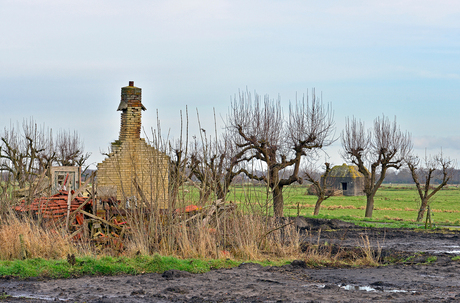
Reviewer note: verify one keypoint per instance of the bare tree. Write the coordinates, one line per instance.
(424, 174)
(374, 152)
(178, 161)
(69, 149)
(215, 165)
(20, 151)
(177, 171)
(264, 134)
(201, 165)
(319, 184)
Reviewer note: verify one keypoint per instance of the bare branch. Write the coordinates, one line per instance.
(423, 174)
(267, 136)
(385, 146)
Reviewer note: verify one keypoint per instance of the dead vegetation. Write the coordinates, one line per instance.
(99, 225)
(24, 238)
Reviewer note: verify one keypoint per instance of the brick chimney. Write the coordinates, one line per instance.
(131, 112)
(134, 164)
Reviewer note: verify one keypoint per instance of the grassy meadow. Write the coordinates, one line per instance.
(392, 203)
(399, 203)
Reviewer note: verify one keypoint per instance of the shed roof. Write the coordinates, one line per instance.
(345, 171)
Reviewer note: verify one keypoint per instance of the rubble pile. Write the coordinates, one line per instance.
(53, 207)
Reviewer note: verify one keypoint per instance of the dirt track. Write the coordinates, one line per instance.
(411, 281)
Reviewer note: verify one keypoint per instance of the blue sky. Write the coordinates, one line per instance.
(64, 62)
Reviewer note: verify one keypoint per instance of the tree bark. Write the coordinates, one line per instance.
(278, 201)
(318, 206)
(422, 209)
(369, 205)
(220, 192)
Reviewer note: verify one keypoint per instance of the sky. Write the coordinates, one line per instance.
(64, 62)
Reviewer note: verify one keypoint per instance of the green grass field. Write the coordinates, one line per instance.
(392, 203)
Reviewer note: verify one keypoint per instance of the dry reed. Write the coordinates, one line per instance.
(233, 235)
(25, 238)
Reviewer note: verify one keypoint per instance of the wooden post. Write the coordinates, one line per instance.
(93, 195)
(69, 200)
(428, 217)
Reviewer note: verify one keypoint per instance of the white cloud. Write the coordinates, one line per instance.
(436, 75)
(431, 142)
(443, 13)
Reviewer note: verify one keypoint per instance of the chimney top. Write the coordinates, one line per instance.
(131, 97)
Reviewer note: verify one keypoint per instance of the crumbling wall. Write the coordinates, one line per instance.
(135, 170)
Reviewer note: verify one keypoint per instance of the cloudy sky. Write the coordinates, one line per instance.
(63, 62)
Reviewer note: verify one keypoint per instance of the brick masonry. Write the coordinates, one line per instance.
(134, 169)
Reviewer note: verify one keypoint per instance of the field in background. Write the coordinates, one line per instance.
(392, 202)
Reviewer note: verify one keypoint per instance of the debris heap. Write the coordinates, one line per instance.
(53, 207)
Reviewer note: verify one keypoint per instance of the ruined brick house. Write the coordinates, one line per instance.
(347, 179)
(134, 171)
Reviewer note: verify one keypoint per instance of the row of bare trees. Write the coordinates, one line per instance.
(264, 145)
(28, 149)
(380, 148)
(257, 137)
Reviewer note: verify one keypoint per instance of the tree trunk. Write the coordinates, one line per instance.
(220, 195)
(318, 206)
(422, 209)
(220, 192)
(278, 202)
(204, 194)
(369, 205)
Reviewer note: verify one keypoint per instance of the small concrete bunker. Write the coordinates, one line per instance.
(134, 171)
(347, 179)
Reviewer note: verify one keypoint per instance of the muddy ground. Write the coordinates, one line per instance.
(411, 280)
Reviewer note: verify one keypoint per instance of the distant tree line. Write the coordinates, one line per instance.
(404, 176)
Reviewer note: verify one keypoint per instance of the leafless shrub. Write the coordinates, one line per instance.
(425, 172)
(319, 186)
(374, 151)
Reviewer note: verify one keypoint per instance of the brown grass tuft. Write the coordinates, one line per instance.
(24, 238)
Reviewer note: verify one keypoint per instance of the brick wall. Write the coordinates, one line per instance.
(134, 169)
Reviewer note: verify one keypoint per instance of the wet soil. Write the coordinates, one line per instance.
(347, 234)
(414, 279)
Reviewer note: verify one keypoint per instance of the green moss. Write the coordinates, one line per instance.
(345, 171)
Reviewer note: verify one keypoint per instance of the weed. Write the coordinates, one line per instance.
(409, 259)
(320, 255)
(431, 259)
